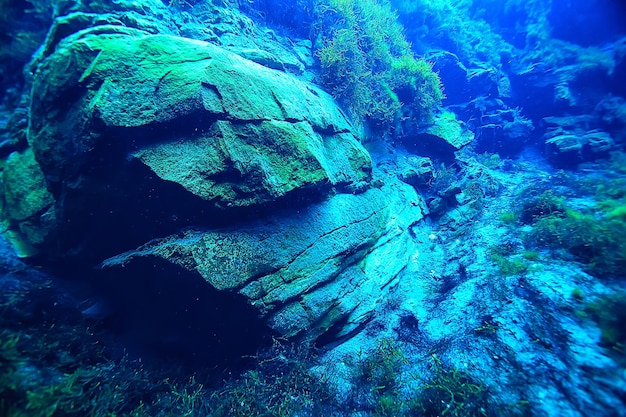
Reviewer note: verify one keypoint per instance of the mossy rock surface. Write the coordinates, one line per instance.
(304, 272)
(123, 120)
(27, 205)
(25, 194)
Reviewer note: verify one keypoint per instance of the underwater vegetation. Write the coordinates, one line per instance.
(610, 314)
(453, 392)
(592, 233)
(282, 384)
(65, 367)
(595, 240)
(365, 60)
(447, 391)
(347, 208)
(367, 64)
(55, 362)
(62, 365)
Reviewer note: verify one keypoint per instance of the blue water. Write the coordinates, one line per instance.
(313, 208)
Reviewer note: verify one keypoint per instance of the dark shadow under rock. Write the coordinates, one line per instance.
(167, 315)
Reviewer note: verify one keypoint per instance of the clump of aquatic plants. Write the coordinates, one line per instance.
(378, 374)
(381, 366)
(542, 205)
(447, 391)
(376, 379)
(478, 184)
(594, 238)
(510, 260)
(30, 387)
(55, 362)
(281, 385)
(468, 186)
(452, 392)
(586, 220)
(509, 265)
(610, 314)
(367, 63)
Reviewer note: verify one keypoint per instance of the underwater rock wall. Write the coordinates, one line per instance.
(111, 100)
(177, 159)
(511, 68)
(137, 132)
(304, 271)
(238, 173)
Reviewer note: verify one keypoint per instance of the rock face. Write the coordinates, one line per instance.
(442, 138)
(303, 271)
(27, 202)
(233, 172)
(568, 150)
(128, 81)
(117, 113)
(571, 140)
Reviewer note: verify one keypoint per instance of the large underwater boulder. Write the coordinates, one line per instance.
(176, 157)
(137, 134)
(316, 274)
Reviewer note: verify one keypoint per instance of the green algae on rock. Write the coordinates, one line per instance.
(367, 64)
(26, 204)
(109, 101)
(305, 271)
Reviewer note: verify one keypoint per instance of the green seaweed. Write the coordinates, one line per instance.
(543, 205)
(280, 385)
(451, 392)
(509, 266)
(381, 367)
(376, 378)
(618, 212)
(367, 64)
(610, 314)
(597, 241)
(508, 217)
(577, 294)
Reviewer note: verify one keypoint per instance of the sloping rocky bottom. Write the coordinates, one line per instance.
(492, 315)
